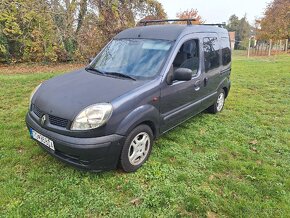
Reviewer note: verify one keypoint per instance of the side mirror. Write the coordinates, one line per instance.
(91, 59)
(183, 74)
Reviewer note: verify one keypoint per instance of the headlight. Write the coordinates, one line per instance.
(32, 94)
(92, 117)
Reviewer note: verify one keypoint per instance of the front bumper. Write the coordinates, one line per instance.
(98, 154)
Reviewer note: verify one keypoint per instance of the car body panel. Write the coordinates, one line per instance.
(98, 154)
(66, 95)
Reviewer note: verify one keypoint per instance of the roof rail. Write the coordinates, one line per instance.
(189, 21)
(214, 24)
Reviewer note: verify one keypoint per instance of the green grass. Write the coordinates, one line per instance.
(234, 164)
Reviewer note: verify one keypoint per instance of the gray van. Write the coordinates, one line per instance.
(146, 81)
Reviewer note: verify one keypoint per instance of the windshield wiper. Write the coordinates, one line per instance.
(120, 75)
(95, 70)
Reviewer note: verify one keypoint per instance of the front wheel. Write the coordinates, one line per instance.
(137, 148)
(219, 103)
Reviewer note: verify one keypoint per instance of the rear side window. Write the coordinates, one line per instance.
(211, 53)
(226, 51)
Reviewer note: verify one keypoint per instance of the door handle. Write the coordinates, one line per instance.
(197, 85)
(205, 81)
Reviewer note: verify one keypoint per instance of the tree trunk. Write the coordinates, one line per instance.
(82, 13)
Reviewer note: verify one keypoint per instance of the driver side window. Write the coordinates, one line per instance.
(188, 56)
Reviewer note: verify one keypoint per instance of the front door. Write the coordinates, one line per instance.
(182, 99)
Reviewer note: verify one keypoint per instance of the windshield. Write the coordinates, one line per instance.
(137, 58)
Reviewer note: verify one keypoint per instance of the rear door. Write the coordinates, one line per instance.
(212, 67)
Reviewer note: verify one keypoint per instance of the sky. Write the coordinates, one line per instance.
(217, 11)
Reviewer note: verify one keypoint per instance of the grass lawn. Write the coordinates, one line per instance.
(236, 163)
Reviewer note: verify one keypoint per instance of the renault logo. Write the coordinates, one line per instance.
(43, 119)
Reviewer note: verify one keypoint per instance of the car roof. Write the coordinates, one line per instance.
(169, 32)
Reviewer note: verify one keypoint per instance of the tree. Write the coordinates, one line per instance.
(233, 23)
(27, 31)
(153, 11)
(190, 14)
(62, 30)
(276, 20)
(242, 30)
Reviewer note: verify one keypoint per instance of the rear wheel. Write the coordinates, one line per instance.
(219, 103)
(137, 148)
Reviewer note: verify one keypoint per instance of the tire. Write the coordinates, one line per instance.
(219, 103)
(136, 149)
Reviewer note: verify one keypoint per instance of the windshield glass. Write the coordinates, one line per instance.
(137, 58)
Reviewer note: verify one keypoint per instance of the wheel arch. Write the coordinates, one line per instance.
(225, 85)
(152, 126)
(226, 91)
(145, 114)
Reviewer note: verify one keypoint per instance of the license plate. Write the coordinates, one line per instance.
(42, 139)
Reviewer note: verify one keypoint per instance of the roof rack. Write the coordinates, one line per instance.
(189, 21)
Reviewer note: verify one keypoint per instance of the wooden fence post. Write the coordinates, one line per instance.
(270, 47)
(255, 46)
(249, 46)
(286, 46)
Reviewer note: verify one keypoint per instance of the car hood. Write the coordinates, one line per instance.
(66, 95)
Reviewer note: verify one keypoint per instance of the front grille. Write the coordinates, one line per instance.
(57, 121)
(37, 111)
